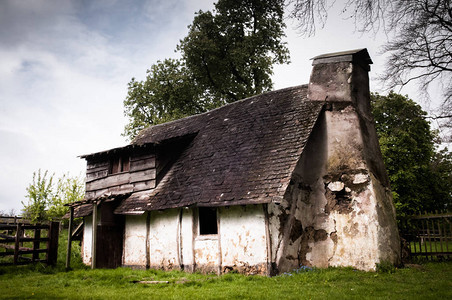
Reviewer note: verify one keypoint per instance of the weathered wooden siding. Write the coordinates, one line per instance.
(141, 176)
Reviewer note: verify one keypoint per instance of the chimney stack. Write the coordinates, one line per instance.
(341, 77)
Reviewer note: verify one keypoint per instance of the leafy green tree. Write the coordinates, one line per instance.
(46, 198)
(227, 55)
(67, 190)
(168, 93)
(418, 174)
(39, 193)
(231, 51)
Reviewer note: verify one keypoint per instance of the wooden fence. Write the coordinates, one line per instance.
(23, 241)
(428, 234)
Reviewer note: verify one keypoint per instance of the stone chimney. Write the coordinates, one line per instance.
(342, 77)
(352, 189)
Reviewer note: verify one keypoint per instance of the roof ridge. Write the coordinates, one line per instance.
(142, 132)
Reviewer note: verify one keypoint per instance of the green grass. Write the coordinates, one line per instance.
(430, 246)
(430, 280)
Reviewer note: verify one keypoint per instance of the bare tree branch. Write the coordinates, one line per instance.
(421, 50)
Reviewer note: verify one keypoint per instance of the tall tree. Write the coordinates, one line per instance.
(419, 174)
(227, 55)
(231, 50)
(421, 47)
(169, 92)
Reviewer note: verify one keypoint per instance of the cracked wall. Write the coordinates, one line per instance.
(163, 239)
(336, 212)
(243, 239)
(134, 250)
(173, 241)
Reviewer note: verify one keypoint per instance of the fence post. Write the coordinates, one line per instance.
(52, 244)
(94, 237)
(16, 244)
(36, 244)
(69, 238)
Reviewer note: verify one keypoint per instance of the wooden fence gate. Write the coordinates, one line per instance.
(24, 241)
(428, 234)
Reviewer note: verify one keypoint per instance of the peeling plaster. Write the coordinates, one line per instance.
(135, 241)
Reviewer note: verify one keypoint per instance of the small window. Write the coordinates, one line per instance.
(207, 221)
(119, 164)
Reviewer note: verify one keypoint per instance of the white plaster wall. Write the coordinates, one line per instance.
(134, 253)
(164, 239)
(345, 143)
(206, 253)
(353, 231)
(87, 240)
(336, 212)
(243, 238)
(186, 239)
(357, 231)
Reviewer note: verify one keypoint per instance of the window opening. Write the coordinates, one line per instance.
(207, 220)
(119, 164)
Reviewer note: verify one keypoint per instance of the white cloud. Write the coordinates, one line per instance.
(65, 68)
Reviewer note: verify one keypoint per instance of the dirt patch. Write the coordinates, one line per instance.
(245, 268)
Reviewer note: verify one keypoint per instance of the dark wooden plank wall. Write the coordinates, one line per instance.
(141, 176)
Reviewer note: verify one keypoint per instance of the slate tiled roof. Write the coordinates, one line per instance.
(243, 153)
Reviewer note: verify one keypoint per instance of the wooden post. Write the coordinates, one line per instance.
(36, 244)
(440, 232)
(94, 237)
(418, 223)
(268, 240)
(52, 244)
(148, 244)
(429, 235)
(180, 255)
(16, 244)
(220, 255)
(69, 239)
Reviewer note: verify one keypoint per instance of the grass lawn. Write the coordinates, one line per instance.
(427, 281)
(430, 280)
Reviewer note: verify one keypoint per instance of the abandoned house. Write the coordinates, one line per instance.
(261, 186)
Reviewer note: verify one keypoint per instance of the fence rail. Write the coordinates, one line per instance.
(428, 234)
(14, 232)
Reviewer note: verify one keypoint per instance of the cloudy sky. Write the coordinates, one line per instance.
(65, 65)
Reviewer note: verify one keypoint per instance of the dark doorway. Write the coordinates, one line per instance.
(110, 232)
